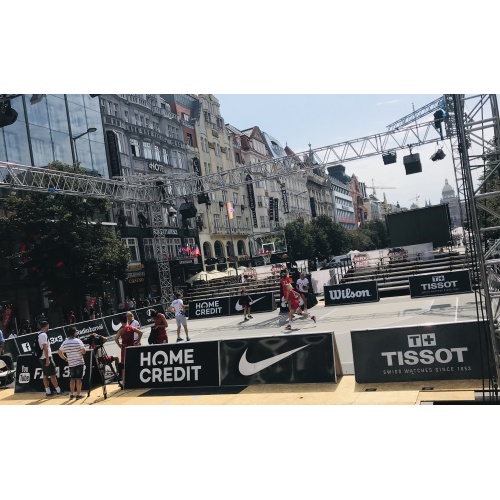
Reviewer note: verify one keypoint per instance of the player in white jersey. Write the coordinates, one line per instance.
(303, 286)
(177, 307)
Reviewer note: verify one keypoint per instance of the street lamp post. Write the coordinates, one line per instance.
(89, 131)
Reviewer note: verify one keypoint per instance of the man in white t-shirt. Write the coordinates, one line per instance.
(46, 361)
(303, 286)
(72, 351)
(177, 307)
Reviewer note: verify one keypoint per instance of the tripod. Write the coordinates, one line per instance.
(101, 360)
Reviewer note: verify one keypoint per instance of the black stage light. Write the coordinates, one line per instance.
(438, 155)
(412, 164)
(7, 115)
(389, 158)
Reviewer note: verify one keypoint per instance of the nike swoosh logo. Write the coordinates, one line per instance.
(115, 327)
(248, 369)
(239, 307)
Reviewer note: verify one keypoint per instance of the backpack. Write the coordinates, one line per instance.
(36, 346)
(153, 336)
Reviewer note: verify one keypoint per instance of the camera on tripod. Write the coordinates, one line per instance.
(94, 340)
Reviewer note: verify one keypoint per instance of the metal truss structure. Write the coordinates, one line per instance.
(471, 124)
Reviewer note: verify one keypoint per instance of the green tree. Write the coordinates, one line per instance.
(54, 241)
(376, 231)
(360, 241)
(299, 240)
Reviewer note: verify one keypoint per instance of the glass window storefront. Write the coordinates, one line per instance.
(41, 144)
(57, 114)
(62, 147)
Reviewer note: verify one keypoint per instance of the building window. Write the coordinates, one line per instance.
(235, 198)
(147, 150)
(185, 117)
(224, 196)
(133, 247)
(125, 115)
(262, 221)
(173, 155)
(149, 249)
(190, 139)
(238, 160)
(259, 201)
(165, 156)
(135, 147)
(216, 221)
(157, 153)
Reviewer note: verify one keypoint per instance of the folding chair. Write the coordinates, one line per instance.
(7, 372)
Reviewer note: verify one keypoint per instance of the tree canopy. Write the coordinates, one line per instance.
(54, 238)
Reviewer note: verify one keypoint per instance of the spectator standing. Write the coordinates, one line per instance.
(72, 351)
(177, 307)
(160, 325)
(245, 301)
(91, 313)
(71, 318)
(46, 361)
(131, 319)
(303, 286)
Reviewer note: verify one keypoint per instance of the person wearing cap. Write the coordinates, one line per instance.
(46, 361)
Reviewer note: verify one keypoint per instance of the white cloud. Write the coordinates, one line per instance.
(383, 103)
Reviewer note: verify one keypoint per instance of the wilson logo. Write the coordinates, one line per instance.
(348, 294)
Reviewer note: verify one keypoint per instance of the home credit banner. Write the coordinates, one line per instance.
(351, 293)
(447, 351)
(430, 285)
(209, 308)
(195, 364)
(291, 359)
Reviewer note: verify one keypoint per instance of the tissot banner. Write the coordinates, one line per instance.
(429, 285)
(290, 359)
(29, 374)
(194, 364)
(87, 328)
(261, 302)
(447, 351)
(351, 293)
(209, 308)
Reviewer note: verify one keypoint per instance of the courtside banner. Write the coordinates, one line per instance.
(29, 375)
(429, 285)
(261, 302)
(143, 315)
(447, 351)
(290, 359)
(209, 308)
(87, 328)
(193, 364)
(351, 293)
(24, 343)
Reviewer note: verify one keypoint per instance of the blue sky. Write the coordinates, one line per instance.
(325, 119)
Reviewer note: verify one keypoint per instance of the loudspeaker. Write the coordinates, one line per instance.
(188, 210)
(389, 158)
(7, 115)
(412, 164)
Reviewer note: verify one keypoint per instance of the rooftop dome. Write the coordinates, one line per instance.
(448, 189)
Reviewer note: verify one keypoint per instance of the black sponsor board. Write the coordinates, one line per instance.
(429, 285)
(209, 308)
(87, 328)
(29, 375)
(448, 351)
(24, 344)
(168, 366)
(351, 293)
(261, 302)
(292, 359)
(144, 317)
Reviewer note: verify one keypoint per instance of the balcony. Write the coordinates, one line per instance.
(156, 110)
(111, 120)
(138, 100)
